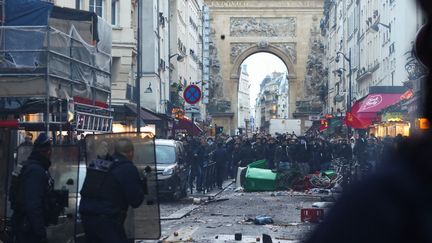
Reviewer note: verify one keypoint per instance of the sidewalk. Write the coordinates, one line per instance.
(201, 197)
(213, 193)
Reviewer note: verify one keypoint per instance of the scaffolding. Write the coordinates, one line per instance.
(59, 70)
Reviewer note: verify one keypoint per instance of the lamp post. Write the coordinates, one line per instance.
(348, 59)
(138, 76)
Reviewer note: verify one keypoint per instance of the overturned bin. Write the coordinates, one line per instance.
(260, 180)
(259, 164)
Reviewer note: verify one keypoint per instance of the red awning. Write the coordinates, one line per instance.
(364, 112)
(185, 125)
(9, 124)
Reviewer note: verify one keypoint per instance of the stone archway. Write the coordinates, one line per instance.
(242, 28)
(280, 50)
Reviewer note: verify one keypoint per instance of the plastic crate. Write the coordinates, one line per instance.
(312, 215)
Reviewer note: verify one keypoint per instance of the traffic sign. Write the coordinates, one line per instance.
(192, 94)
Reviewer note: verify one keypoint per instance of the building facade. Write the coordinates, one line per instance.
(372, 52)
(244, 99)
(186, 53)
(171, 53)
(272, 101)
(155, 55)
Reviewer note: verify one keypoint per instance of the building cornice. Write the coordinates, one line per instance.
(257, 4)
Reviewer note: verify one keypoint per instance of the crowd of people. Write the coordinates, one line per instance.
(312, 152)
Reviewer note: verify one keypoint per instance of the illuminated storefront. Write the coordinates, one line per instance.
(392, 124)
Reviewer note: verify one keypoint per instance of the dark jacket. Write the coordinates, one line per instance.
(130, 184)
(236, 156)
(270, 152)
(282, 154)
(260, 151)
(220, 156)
(35, 185)
(247, 155)
(346, 151)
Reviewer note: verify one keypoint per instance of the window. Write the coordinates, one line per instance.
(78, 4)
(392, 48)
(114, 13)
(96, 6)
(165, 154)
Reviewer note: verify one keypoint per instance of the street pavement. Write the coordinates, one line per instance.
(222, 213)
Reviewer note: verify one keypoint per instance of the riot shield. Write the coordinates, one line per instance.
(65, 172)
(142, 222)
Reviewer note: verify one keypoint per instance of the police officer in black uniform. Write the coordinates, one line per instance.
(112, 184)
(30, 189)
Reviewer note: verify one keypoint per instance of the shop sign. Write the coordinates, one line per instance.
(372, 101)
(422, 123)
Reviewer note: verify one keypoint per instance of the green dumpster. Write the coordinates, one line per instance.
(329, 173)
(260, 164)
(260, 180)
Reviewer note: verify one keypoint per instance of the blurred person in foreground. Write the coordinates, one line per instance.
(30, 192)
(112, 185)
(394, 204)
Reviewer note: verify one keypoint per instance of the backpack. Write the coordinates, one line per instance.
(101, 184)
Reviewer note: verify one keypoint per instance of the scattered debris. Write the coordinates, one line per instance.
(220, 214)
(246, 221)
(216, 200)
(197, 201)
(200, 221)
(322, 204)
(287, 224)
(214, 227)
(319, 191)
(263, 219)
(239, 189)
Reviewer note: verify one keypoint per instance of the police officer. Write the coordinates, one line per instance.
(29, 192)
(112, 184)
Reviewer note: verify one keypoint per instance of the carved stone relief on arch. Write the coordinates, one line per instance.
(238, 48)
(289, 48)
(263, 26)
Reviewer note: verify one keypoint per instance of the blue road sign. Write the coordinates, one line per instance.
(192, 94)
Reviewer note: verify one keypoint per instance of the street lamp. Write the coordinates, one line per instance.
(375, 26)
(180, 58)
(348, 59)
(138, 61)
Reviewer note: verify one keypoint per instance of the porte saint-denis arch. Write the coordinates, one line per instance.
(286, 28)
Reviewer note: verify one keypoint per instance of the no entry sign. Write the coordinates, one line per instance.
(192, 94)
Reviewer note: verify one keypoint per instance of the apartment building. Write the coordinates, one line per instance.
(372, 49)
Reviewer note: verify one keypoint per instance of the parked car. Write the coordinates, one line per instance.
(172, 168)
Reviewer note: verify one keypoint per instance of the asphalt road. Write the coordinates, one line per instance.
(231, 212)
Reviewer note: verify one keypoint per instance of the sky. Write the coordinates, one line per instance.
(259, 65)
